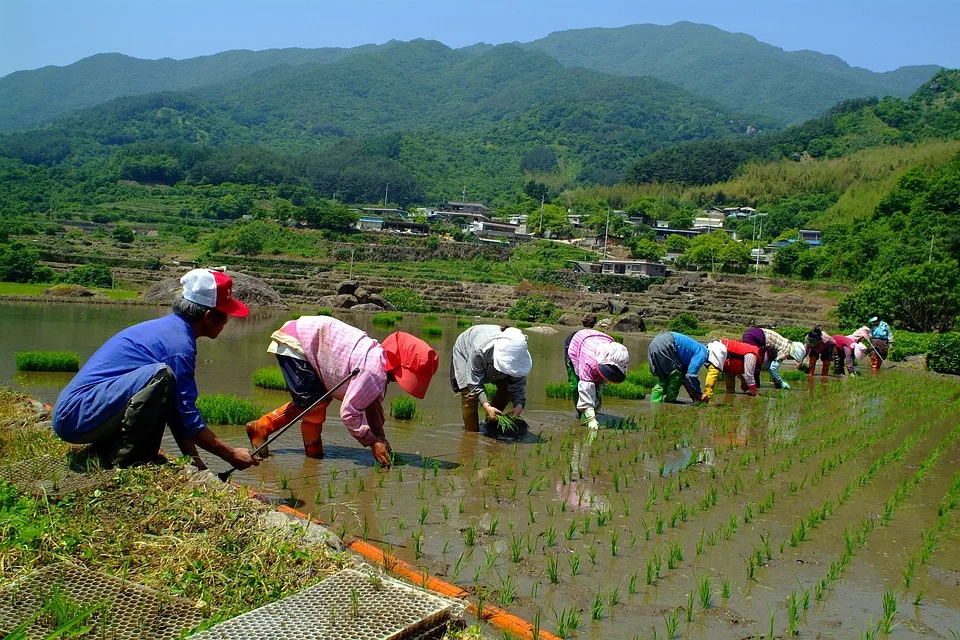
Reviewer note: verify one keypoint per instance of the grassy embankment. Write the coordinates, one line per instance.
(193, 540)
(19, 289)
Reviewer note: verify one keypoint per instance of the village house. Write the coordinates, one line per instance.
(634, 268)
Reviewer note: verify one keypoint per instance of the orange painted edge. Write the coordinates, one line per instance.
(493, 615)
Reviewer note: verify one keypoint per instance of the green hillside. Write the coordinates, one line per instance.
(419, 115)
(735, 69)
(933, 111)
(31, 97)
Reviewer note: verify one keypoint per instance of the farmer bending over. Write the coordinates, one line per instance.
(317, 352)
(820, 346)
(142, 380)
(774, 349)
(676, 360)
(593, 358)
(741, 362)
(490, 353)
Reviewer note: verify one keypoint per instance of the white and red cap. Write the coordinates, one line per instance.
(212, 289)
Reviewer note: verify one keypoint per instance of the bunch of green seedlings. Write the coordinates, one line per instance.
(223, 408)
(269, 378)
(387, 319)
(68, 361)
(403, 407)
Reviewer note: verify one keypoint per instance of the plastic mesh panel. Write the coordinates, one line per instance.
(50, 475)
(129, 610)
(387, 610)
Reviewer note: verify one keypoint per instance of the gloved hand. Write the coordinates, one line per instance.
(589, 418)
(784, 385)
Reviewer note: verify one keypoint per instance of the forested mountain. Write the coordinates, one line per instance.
(735, 69)
(422, 116)
(31, 97)
(933, 111)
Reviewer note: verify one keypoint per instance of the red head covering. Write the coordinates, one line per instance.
(412, 361)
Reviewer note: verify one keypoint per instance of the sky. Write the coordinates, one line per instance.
(876, 34)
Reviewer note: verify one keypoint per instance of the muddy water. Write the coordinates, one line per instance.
(610, 503)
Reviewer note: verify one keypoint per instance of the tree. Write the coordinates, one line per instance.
(787, 256)
(122, 233)
(677, 243)
(642, 248)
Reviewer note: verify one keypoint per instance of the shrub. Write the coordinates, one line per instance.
(560, 390)
(463, 323)
(47, 361)
(908, 344)
(944, 356)
(387, 319)
(405, 299)
(642, 377)
(122, 233)
(223, 408)
(687, 324)
(324, 311)
(625, 390)
(403, 408)
(92, 274)
(534, 308)
(432, 331)
(269, 378)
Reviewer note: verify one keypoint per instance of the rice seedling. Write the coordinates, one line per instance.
(568, 621)
(457, 567)
(592, 553)
(632, 584)
(672, 624)
(574, 561)
(725, 588)
(532, 514)
(793, 614)
(908, 570)
(417, 544)
(651, 576)
(890, 607)
(919, 598)
(690, 600)
(507, 590)
(550, 535)
(470, 535)
(403, 408)
(431, 331)
(269, 378)
(614, 536)
(516, 547)
(571, 529)
(553, 568)
(560, 390)
(388, 319)
(703, 590)
(222, 408)
(773, 618)
(424, 513)
(66, 361)
(462, 323)
(596, 611)
(700, 543)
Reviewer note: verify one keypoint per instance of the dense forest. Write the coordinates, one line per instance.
(736, 70)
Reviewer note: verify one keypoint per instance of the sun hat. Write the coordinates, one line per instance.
(510, 354)
(212, 289)
(874, 318)
(717, 354)
(797, 351)
(613, 360)
(412, 361)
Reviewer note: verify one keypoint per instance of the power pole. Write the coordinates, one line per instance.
(930, 259)
(606, 232)
(541, 215)
(463, 195)
(386, 191)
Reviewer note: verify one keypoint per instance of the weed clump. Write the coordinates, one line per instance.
(223, 408)
(269, 378)
(324, 311)
(403, 408)
(47, 361)
(432, 331)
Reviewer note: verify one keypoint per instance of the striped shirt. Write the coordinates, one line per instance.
(777, 343)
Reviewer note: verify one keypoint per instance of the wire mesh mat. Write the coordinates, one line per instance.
(110, 607)
(51, 475)
(349, 605)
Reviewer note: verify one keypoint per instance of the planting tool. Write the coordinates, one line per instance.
(225, 475)
(882, 361)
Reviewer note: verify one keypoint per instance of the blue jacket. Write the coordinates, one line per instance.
(122, 367)
(693, 355)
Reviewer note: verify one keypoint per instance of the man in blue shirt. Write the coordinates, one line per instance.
(142, 380)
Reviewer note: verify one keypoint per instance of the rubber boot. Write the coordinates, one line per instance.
(813, 367)
(874, 362)
(752, 390)
(730, 384)
(825, 368)
(311, 428)
(468, 409)
(259, 430)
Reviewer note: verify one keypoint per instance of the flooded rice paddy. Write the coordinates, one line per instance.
(827, 510)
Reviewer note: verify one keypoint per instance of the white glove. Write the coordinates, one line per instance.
(589, 418)
(784, 385)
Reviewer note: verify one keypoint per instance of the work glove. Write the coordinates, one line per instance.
(590, 419)
(784, 385)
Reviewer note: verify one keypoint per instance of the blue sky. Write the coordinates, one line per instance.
(876, 34)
